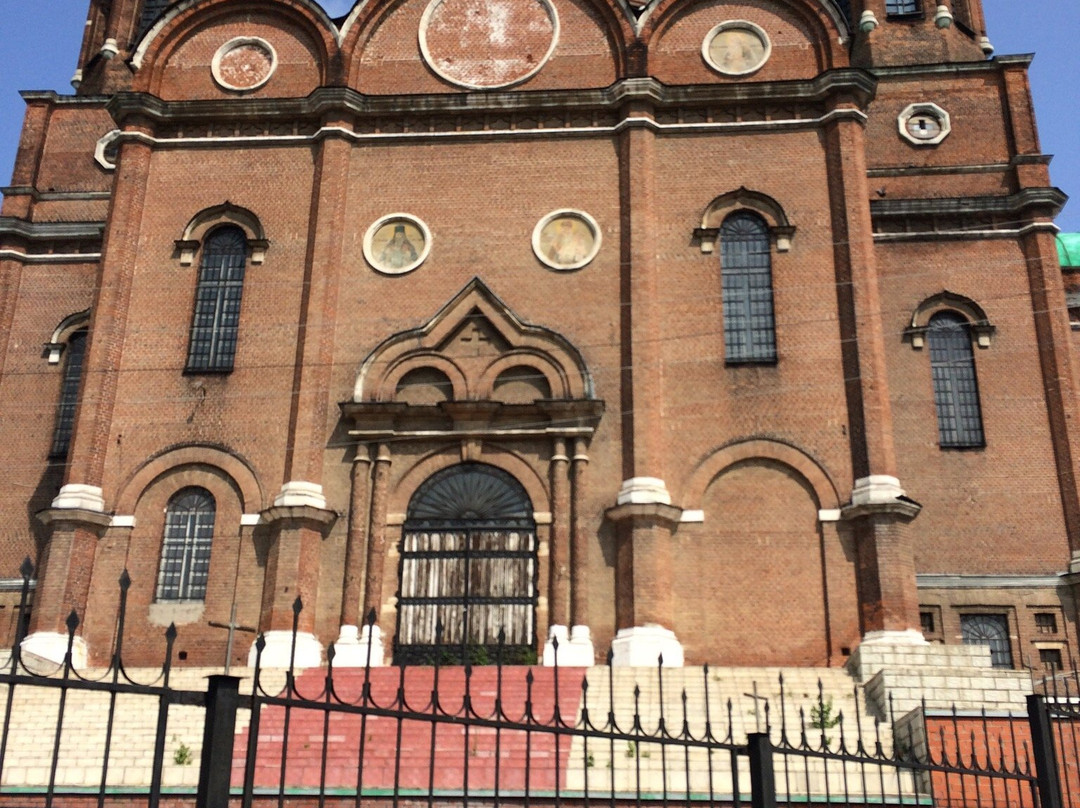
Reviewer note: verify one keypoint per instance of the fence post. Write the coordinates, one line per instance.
(762, 781)
(215, 769)
(1042, 744)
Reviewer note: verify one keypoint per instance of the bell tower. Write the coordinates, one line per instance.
(906, 32)
(113, 30)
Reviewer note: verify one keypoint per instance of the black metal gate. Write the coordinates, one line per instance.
(468, 570)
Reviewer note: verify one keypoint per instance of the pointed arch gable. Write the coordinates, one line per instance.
(716, 463)
(560, 362)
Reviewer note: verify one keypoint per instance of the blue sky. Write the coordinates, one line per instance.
(39, 45)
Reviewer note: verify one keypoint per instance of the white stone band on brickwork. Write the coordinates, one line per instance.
(351, 648)
(52, 646)
(643, 491)
(575, 647)
(83, 497)
(298, 493)
(642, 647)
(876, 489)
(278, 650)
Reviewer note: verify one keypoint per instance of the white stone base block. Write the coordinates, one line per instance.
(642, 647)
(79, 496)
(643, 491)
(575, 650)
(907, 637)
(51, 646)
(278, 650)
(300, 493)
(357, 648)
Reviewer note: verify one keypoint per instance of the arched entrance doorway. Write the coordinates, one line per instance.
(468, 570)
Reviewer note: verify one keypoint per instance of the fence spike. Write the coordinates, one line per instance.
(125, 581)
(26, 569)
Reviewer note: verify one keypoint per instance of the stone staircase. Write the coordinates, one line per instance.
(740, 701)
(510, 760)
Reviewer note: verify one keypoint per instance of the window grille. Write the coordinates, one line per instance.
(69, 394)
(956, 388)
(746, 275)
(469, 563)
(216, 319)
(900, 7)
(1046, 622)
(1050, 659)
(151, 10)
(185, 552)
(988, 629)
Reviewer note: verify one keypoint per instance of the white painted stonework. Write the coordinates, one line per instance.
(83, 497)
(907, 637)
(278, 650)
(876, 489)
(298, 493)
(643, 491)
(642, 646)
(575, 648)
(51, 646)
(351, 649)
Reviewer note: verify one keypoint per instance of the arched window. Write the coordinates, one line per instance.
(185, 551)
(216, 320)
(746, 275)
(956, 388)
(151, 10)
(894, 8)
(469, 564)
(74, 355)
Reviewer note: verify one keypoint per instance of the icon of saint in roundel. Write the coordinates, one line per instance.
(399, 252)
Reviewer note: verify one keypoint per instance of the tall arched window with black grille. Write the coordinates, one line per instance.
(746, 277)
(956, 387)
(74, 355)
(185, 550)
(216, 319)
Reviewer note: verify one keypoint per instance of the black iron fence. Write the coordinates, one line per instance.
(502, 734)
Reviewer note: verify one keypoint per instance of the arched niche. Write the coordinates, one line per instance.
(781, 230)
(227, 213)
(978, 324)
(192, 457)
(188, 35)
(783, 454)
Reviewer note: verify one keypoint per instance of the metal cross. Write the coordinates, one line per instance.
(233, 627)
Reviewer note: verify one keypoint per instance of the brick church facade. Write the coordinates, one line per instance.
(728, 330)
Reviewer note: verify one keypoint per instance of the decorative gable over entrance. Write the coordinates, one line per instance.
(473, 368)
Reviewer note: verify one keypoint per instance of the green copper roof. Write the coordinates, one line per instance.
(1068, 245)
